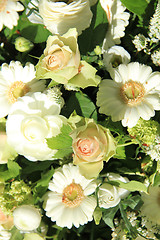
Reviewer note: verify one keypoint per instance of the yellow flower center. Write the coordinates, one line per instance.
(72, 195)
(132, 92)
(3, 4)
(17, 89)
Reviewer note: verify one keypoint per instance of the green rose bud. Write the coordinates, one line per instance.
(92, 144)
(23, 45)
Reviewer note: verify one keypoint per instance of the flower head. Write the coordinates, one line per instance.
(133, 93)
(115, 56)
(26, 218)
(35, 117)
(68, 201)
(118, 20)
(59, 16)
(92, 144)
(8, 13)
(15, 82)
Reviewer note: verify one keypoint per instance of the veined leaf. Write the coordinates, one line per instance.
(138, 7)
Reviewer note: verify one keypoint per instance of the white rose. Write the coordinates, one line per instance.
(114, 56)
(123, 193)
(32, 119)
(59, 17)
(108, 196)
(26, 218)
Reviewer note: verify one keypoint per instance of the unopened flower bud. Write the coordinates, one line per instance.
(23, 45)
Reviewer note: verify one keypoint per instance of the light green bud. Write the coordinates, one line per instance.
(23, 45)
(145, 131)
(31, 236)
(98, 50)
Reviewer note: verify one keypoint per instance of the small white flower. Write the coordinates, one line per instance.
(16, 81)
(108, 196)
(118, 20)
(154, 27)
(26, 218)
(68, 201)
(140, 42)
(59, 17)
(114, 56)
(8, 13)
(32, 119)
(133, 93)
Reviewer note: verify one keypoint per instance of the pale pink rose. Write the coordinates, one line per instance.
(92, 144)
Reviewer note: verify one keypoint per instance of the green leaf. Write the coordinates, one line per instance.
(82, 104)
(108, 216)
(62, 142)
(134, 202)
(132, 230)
(131, 186)
(120, 153)
(138, 7)
(36, 33)
(16, 234)
(156, 179)
(12, 172)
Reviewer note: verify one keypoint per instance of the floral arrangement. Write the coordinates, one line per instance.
(79, 119)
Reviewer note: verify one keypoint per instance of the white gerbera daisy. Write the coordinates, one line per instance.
(151, 206)
(133, 93)
(114, 56)
(16, 81)
(118, 20)
(8, 13)
(68, 201)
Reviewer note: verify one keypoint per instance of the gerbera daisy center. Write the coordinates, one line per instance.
(132, 92)
(17, 89)
(3, 4)
(72, 195)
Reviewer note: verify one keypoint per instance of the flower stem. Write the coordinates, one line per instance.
(125, 144)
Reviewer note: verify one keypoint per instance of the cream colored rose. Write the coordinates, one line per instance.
(26, 218)
(59, 16)
(92, 144)
(32, 119)
(61, 58)
(108, 196)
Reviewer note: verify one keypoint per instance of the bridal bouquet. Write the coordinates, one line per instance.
(79, 119)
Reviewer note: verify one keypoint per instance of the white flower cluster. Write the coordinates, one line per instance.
(154, 30)
(156, 57)
(140, 42)
(153, 150)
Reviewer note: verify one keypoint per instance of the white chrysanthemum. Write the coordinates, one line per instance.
(118, 20)
(133, 93)
(4, 234)
(26, 218)
(114, 56)
(151, 206)
(32, 119)
(8, 13)
(68, 201)
(16, 81)
(59, 16)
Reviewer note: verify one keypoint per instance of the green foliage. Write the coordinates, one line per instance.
(131, 186)
(62, 142)
(16, 234)
(80, 103)
(109, 214)
(12, 172)
(138, 7)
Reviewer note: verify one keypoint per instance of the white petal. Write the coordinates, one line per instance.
(131, 117)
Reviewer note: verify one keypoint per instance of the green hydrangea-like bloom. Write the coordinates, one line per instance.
(145, 131)
(14, 195)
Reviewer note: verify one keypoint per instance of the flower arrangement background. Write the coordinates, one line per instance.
(79, 119)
